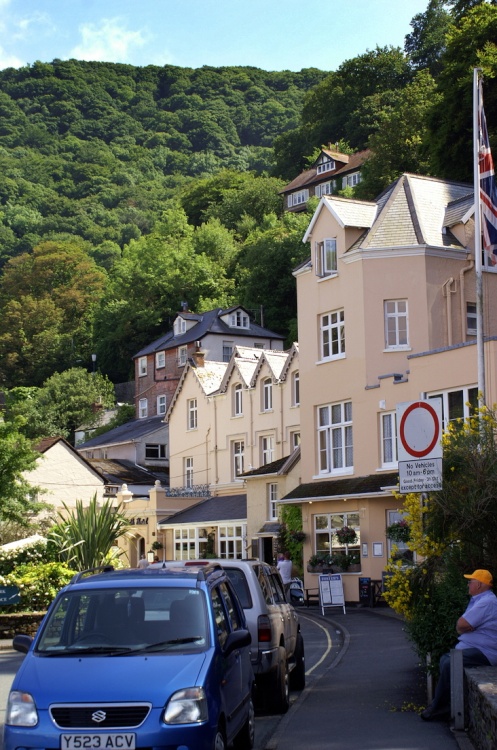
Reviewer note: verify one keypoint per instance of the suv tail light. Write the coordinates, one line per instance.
(264, 629)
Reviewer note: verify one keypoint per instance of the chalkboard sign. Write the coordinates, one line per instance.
(365, 590)
(331, 591)
(9, 595)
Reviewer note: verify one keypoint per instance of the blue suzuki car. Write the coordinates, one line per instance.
(134, 659)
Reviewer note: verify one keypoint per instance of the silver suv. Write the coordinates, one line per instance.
(277, 650)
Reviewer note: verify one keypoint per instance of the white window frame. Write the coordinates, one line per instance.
(294, 440)
(296, 388)
(471, 319)
(335, 438)
(156, 451)
(239, 319)
(325, 527)
(457, 403)
(267, 395)
(332, 335)
(188, 543)
(188, 471)
(142, 366)
(325, 188)
(237, 400)
(351, 180)
(298, 198)
(388, 432)
(143, 408)
(182, 355)
(192, 414)
(267, 449)
(325, 166)
(326, 262)
(238, 457)
(231, 541)
(161, 404)
(272, 499)
(160, 360)
(179, 326)
(396, 314)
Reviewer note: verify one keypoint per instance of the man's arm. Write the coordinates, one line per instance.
(463, 626)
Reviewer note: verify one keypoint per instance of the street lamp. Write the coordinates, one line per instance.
(94, 360)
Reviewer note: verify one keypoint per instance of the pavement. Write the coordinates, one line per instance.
(370, 696)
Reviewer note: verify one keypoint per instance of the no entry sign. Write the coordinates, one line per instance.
(419, 447)
(419, 430)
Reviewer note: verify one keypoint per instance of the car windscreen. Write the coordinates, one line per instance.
(239, 581)
(124, 619)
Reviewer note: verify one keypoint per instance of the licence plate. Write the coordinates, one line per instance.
(100, 741)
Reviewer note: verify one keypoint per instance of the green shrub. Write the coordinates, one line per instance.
(37, 584)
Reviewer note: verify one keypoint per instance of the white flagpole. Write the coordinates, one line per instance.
(478, 249)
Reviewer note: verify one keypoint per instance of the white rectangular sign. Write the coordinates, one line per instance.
(420, 475)
(331, 591)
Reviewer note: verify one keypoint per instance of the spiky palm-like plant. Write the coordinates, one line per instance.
(85, 535)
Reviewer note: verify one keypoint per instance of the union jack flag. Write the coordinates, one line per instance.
(488, 189)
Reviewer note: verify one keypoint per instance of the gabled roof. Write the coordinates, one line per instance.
(244, 359)
(212, 510)
(412, 211)
(292, 353)
(373, 484)
(121, 471)
(346, 163)
(209, 378)
(46, 443)
(275, 361)
(126, 433)
(209, 322)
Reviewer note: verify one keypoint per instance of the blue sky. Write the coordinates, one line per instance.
(268, 34)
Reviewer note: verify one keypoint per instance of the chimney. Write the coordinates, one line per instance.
(184, 307)
(198, 355)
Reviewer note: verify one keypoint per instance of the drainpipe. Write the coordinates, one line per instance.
(462, 273)
(207, 456)
(447, 291)
(216, 472)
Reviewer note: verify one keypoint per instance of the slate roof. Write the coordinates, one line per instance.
(126, 433)
(212, 510)
(208, 322)
(373, 484)
(280, 466)
(122, 471)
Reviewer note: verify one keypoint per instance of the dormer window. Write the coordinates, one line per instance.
(179, 326)
(239, 319)
(326, 166)
(142, 366)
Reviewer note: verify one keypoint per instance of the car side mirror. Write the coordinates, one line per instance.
(22, 643)
(236, 639)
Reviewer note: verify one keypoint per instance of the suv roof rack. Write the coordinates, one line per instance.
(91, 571)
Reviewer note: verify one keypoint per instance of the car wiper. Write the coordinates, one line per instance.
(111, 650)
(163, 645)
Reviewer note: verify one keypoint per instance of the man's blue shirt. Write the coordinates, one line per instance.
(481, 614)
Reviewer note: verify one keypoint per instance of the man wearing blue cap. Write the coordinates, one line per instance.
(477, 631)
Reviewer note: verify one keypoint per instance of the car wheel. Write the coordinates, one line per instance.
(297, 675)
(281, 701)
(245, 737)
(219, 740)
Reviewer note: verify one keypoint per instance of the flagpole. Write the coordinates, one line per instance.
(478, 247)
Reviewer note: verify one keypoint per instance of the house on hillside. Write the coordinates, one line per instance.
(226, 419)
(332, 171)
(386, 315)
(63, 476)
(159, 366)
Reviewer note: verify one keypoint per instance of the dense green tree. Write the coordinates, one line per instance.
(66, 400)
(399, 144)
(426, 43)
(471, 43)
(16, 457)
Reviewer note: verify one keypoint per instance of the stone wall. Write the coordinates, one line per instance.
(481, 707)
(19, 622)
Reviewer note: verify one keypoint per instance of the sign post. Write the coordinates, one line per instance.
(419, 446)
(331, 591)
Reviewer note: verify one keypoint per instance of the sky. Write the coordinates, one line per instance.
(267, 34)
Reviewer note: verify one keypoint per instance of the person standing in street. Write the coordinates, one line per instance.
(477, 631)
(285, 568)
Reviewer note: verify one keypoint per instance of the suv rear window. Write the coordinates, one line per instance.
(237, 578)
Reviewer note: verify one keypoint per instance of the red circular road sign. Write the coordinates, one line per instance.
(430, 435)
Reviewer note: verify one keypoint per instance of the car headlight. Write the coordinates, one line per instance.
(21, 710)
(186, 707)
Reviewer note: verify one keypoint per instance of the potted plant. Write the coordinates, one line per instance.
(319, 562)
(157, 545)
(399, 531)
(346, 535)
(297, 536)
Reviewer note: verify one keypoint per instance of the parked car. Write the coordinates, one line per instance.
(134, 658)
(278, 656)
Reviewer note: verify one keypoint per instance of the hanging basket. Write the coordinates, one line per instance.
(346, 535)
(399, 532)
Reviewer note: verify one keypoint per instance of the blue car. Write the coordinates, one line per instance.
(133, 659)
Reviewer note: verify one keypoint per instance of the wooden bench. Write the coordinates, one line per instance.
(311, 595)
